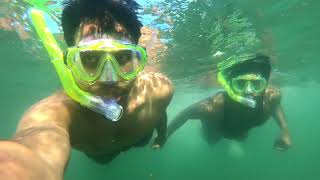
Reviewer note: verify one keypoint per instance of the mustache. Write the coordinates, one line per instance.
(109, 88)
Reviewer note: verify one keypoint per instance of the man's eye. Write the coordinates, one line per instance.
(241, 83)
(123, 57)
(90, 60)
(258, 84)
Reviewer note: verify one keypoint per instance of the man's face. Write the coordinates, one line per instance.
(249, 85)
(108, 82)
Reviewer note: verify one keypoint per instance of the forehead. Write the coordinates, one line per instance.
(88, 39)
(89, 31)
(250, 76)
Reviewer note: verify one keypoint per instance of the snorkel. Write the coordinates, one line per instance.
(224, 69)
(109, 108)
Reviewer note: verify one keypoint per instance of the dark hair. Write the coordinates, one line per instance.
(257, 64)
(107, 13)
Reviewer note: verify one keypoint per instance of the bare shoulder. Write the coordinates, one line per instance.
(54, 110)
(272, 96)
(212, 104)
(156, 86)
(272, 99)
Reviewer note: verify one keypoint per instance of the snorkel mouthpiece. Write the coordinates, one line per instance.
(112, 110)
(247, 101)
(109, 108)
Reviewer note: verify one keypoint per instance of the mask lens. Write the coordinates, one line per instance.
(239, 84)
(258, 85)
(90, 61)
(128, 60)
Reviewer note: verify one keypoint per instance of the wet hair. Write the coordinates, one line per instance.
(100, 16)
(259, 64)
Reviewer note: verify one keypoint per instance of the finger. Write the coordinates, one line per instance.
(156, 146)
(281, 148)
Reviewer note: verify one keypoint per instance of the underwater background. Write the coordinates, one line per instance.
(191, 34)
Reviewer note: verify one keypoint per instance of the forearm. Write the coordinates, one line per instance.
(281, 120)
(283, 127)
(41, 144)
(18, 162)
(49, 142)
(195, 111)
(161, 131)
(175, 124)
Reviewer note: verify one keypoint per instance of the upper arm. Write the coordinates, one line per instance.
(163, 89)
(155, 88)
(162, 93)
(44, 130)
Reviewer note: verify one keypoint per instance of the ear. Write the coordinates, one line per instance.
(141, 44)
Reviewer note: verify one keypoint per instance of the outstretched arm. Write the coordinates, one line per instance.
(194, 111)
(210, 109)
(283, 142)
(40, 148)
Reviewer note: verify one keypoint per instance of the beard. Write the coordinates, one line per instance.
(110, 90)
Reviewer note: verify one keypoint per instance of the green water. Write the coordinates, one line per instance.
(289, 30)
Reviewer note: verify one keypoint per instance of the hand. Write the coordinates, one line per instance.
(156, 146)
(158, 142)
(282, 143)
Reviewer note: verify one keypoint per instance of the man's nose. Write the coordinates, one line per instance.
(248, 89)
(109, 74)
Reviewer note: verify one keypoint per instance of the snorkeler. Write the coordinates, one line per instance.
(247, 103)
(108, 105)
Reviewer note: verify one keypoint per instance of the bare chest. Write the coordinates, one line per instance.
(243, 120)
(93, 134)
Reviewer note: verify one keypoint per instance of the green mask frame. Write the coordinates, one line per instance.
(100, 52)
(252, 83)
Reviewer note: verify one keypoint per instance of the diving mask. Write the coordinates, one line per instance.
(93, 60)
(249, 83)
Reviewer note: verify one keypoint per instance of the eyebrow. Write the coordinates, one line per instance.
(85, 43)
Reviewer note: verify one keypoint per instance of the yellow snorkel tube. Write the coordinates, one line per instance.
(109, 108)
